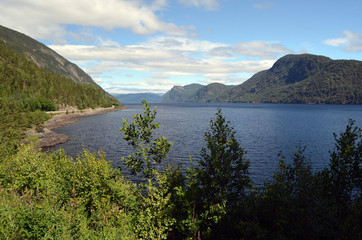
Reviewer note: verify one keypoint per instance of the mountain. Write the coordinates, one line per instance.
(32, 88)
(137, 97)
(42, 56)
(303, 78)
(181, 93)
(27, 91)
(214, 92)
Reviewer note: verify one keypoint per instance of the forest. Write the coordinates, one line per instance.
(53, 196)
(36, 88)
(27, 91)
(300, 78)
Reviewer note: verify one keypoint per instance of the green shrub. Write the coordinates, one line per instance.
(86, 198)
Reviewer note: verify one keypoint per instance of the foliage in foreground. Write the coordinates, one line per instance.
(52, 196)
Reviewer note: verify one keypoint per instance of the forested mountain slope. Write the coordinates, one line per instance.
(304, 79)
(27, 82)
(301, 78)
(181, 93)
(214, 92)
(42, 56)
(26, 91)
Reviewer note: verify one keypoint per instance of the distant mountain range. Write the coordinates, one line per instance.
(214, 92)
(42, 56)
(137, 97)
(303, 78)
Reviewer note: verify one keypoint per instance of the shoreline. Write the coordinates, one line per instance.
(49, 138)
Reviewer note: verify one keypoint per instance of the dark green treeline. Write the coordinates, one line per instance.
(26, 91)
(39, 89)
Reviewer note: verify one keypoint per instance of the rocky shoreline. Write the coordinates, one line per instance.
(49, 138)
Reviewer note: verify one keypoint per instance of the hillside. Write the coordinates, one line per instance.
(26, 91)
(42, 56)
(304, 79)
(27, 82)
(301, 78)
(181, 93)
(214, 92)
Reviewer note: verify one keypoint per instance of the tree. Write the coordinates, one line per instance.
(222, 173)
(154, 219)
(323, 205)
(150, 151)
(345, 172)
(341, 185)
(289, 200)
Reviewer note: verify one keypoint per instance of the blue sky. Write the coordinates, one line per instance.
(132, 46)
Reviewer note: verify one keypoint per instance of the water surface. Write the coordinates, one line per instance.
(263, 130)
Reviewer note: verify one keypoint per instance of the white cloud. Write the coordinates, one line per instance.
(48, 19)
(216, 76)
(187, 45)
(263, 5)
(161, 82)
(124, 83)
(261, 49)
(336, 42)
(165, 57)
(233, 79)
(111, 53)
(222, 52)
(207, 4)
(158, 5)
(98, 80)
(138, 89)
(351, 41)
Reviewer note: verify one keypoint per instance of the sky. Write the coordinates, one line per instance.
(136, 46)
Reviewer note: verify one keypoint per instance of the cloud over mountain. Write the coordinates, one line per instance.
(351, 41)
(47, 19)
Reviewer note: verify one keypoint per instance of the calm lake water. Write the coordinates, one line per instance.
(263, 130)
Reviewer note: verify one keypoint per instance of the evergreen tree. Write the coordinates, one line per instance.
(222, 174)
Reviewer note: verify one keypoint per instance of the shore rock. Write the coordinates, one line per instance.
(49, 138)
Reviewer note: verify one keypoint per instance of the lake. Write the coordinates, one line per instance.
(263, 130)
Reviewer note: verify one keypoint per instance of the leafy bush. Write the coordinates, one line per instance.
(149, 151)
(81, 198)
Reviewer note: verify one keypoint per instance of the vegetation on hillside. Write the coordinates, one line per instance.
(27, 91)
(301, 78)
(304, 79)
(52, 196)
(39, 89)
(214, 92)
(181, 94)
(42, 56)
